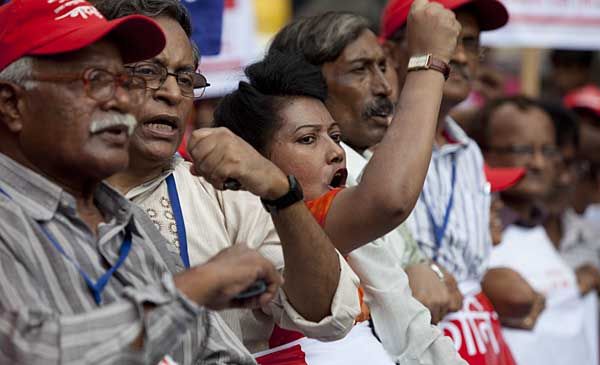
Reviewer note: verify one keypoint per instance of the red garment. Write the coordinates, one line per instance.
(477, 333)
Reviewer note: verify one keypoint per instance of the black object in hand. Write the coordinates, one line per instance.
(257, 288)
(231, 184)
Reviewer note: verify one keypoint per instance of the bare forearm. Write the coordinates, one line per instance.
(312, 267)
(395, 175)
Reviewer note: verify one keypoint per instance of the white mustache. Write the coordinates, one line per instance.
(111, 120)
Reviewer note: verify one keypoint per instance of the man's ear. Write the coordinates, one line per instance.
(11, 96)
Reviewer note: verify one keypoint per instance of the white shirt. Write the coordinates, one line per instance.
(215, 220)
(580, 243)
(567, 330)
(402, 323)
(466, 244)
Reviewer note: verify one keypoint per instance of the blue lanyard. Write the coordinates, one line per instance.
(179, 222)
(97, 287)
(440, 230)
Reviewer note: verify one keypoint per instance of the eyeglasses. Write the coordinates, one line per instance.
(471, 46)
(525, 150)
(156, 75)
(101, 85)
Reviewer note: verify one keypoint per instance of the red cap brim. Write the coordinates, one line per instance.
(502, 178)
(137, 37)
(587, 97)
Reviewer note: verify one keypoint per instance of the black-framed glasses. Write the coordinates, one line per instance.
(529, 151)
(101, 85)
(156, 75)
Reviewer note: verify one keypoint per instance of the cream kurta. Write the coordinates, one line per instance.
(215, 220)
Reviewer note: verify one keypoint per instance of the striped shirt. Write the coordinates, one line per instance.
(466, 245)
(49, 316)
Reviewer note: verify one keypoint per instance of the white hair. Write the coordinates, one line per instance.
(19, 72)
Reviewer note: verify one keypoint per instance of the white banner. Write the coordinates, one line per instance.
(571, 24)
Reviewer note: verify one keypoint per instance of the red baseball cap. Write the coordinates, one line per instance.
(587, 97)
(491, 14)
(47, 27)
(502, 178)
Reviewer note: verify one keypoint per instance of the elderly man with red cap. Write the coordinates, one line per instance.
(451, 219)
(84, 273)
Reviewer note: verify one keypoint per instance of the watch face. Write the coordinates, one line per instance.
(418, 61)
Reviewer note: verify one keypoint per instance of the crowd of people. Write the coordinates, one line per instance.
(334, 211)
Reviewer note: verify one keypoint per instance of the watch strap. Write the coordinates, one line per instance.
(293, 196)
(429, 62)
(439, 65)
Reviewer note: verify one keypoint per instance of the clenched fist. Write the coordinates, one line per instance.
(219, 155)
(432, 29)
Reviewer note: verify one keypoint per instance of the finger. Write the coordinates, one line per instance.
(214, 169)
(200, 150)
(198, 136)
(265, 299)
(436, 316)
(272, 276)
(436, 6)
(419, 4)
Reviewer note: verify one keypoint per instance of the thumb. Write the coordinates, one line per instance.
(197, 136)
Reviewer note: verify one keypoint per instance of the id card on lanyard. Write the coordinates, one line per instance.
(439, 229)
(179, 222)
(96, 288)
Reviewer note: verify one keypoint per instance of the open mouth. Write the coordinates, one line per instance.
(339, 179)
(162, 124)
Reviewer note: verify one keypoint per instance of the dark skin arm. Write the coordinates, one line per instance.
(511, 295)
(218, 155)
(393, 179)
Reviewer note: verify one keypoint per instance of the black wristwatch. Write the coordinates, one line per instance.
(294, 195)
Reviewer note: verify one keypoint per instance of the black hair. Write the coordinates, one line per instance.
(252, 111)
(174, 9)
(320, 38)
(568, 57)
(565, 122)
(481, 129)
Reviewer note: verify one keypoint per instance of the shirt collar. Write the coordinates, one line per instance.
(155, 182)
(455, 133)
(40, 198)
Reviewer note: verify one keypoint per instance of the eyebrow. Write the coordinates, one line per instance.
(362, 60)
(376, 59)
(312, 126)
(162, 63)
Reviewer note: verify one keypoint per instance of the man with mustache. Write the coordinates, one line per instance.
(84, 273)
(360, 96)
(451, 219)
